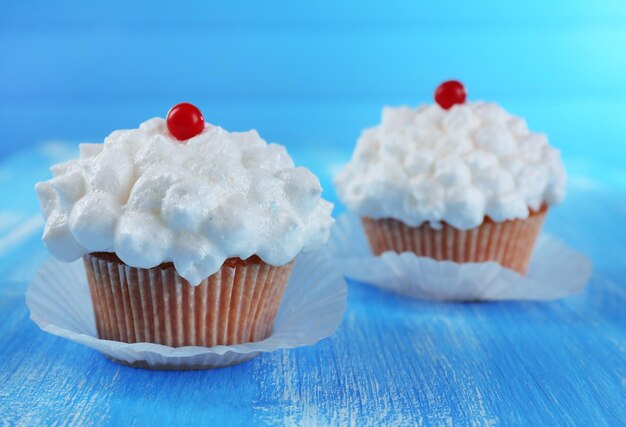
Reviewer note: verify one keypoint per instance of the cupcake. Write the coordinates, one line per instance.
(188, 232)
(455, 180)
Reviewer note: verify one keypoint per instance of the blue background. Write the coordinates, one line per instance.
(311, 75)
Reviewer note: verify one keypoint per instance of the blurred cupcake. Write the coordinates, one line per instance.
(465, 182)
(188, 232)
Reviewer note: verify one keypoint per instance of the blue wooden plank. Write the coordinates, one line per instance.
(392, 361)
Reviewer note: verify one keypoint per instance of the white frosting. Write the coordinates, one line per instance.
(458, 166)
(152, 199)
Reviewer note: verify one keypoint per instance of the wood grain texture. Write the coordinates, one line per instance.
(393, 360)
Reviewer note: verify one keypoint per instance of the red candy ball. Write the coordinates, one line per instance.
(449, 93)
(184, 121)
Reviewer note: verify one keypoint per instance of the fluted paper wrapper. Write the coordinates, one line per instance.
(311, 309)
(235, 305)
(554, 271)
(509, 243)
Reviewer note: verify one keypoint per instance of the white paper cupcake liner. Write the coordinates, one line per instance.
(311, 309)
(555, 270)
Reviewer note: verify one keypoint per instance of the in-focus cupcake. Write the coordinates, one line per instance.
(455, 180)
(188, 232)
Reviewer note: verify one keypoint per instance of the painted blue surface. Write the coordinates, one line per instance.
(393, 360)
(310, 76)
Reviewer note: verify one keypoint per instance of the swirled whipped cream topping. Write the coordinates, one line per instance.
(152, 199)
(430, 165)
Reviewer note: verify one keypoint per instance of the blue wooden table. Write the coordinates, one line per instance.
(311, 75)
(392, 361)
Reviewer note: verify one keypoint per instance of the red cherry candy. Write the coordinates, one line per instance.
(449, 93)
(184, 121)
